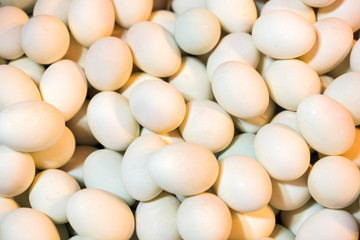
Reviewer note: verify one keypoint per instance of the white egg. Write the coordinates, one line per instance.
(318, 3)
(184, 168)
(355, 57)
(180, 6)
(204, 216)
(241, 144)
(165, 18)
(325, 81)
(288, 118)
(240, 89)
(50, 192)
(319, 118)
(97, 213)
(240, 176)
(57, 8)
(282, 233)
(173, 136)
(353, 153)
(157, 218)
(31, 68)
(129, 12)
(134, 79)
(26, 5)
(7, 205)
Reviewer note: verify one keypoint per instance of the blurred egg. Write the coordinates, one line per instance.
(57, 8)
(31, 68)
(129, 12)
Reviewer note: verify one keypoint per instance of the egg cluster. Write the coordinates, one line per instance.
(179, 119)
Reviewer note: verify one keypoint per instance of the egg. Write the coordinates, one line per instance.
(110, 120)
(50, 191)
(319, 118)
(183, 168)
(173, 136)
(24, 223)
(97, 213)
(165, 18)
(239, 176)
(7, 205)
(134, 79)
(282, 233)
(242, 143)
(240, 89)
(76, 52)
(57, 8)
(12, 20)
(353, 153)
(158, 218)
(180, 6)
(108, 64)
(31, 68)
(204, 216)
(127, 13)
(288, 118)
(355, 57)
(268, 34)
(45, 39)
(318, 3)
(26, 5)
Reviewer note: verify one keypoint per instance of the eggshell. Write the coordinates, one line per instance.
(344, 89)
(206, 123)
(134, 79)
(50, 192)
(135, 176)
(12, 20)
(16, 86)
(353, 153)
(173, 136)
(7, 205)
(204, 216)
(76, 52)
(180, 6)
(108, 63)
(184, 168)
(237, 46)
(26, 5)
(27, 223)
(329, 224)
(64, 85)
(240, 89)
(45, 39)
(253, 225)
(282, 233)
(234, 16)
(325, 81)
(129, 12)
(290, 81)
(330, 176)
(241, 144)
(288, 118)
(331, 32)
(345, 9)
(271, 33)
(240, 176)
(318, 3)
(57, 8)
(143, 38)
(157, 105)
(20, 122)
(319, 118)
(110, 120)
(99, 214)
(355, 57)
(31, 68)
(96, 20)
(157, 218)
(165, 18)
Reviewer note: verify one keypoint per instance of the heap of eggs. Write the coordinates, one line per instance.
(157, 119)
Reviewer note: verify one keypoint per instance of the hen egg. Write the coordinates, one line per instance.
(7, 205)
(355, 57)
(180, 6)
(173, 136)
(164, 18)
(57, 8)
(31, 68)
(127, 13)
(26, 5)
(241, 144)
(288, 118)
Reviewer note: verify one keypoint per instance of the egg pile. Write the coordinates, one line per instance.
(180, 119)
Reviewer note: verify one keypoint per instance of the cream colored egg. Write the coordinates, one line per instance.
(240, 89)
(129, 12)
(197, 31)
(208, 124)
(237, 46)
(45, 39)
(180, 6)
(165, 18)
(31, 68)
(57, 8)
(184, 168)
(30, 125)
(290, 81)
(80, 128)
(272, 31)
(102, 170)
(297, 6)
(204, 216)
(170, 137)
(110, 120)
(27, 223)
(319, 118)
(57, 154)
(50, 192)
(240, 176)
(108, 64)
(345, 9)
(134, 168)
(264, 63)
(143, 38)
(344, 89)
(355, 57)
(157, 218)
(330, 176)
(17, 171)
(7, 205)
(353, 153)
(26, 5)
(325, 81)
(76, 52)
(318, 3)
(96, 20)
(282, 233)
(290, 195)
(134, 79)
(329, 224)
(64, 85)
(253, 225)
(12, 20)
(344, 66)
(16, 86)
(288, 118)
(99, 214)
(241, 144)
(192, 80)
(157, 105)
(234, 16)
(331, 32)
